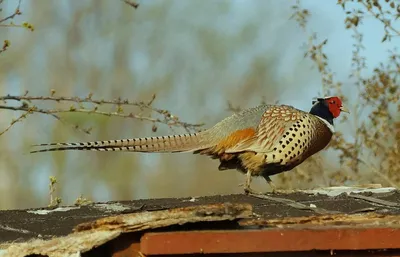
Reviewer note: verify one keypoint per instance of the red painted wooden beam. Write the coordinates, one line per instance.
(269, 240)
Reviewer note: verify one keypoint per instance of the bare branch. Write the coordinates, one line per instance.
(87, 99)
(165, 116)
(34, 109)
(13, 122)
(16, 12)
(6, 42)
(379, 173)
(132, 3)
(378, 16)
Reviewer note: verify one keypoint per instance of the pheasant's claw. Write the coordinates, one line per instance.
(252, 192)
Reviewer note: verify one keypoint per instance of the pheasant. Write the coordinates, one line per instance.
(260, 141)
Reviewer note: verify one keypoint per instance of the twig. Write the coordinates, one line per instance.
(6, 45)
(54, 201)
(387, 24)
(377, 172)
(293, 204)
(169, 122)
(87, 99)
(132, 3)
(17, 12)
(13, 122)
(29, 110)
(168, 119)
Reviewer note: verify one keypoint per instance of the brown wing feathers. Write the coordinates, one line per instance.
(273, 124)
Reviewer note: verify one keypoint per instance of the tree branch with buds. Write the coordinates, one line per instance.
(77, 105)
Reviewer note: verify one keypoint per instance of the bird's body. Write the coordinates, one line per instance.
(260, 141)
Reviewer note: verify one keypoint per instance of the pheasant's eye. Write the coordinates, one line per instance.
(333, 102)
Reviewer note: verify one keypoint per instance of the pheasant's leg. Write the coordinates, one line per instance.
(270, 183)
(247, 188)
(273, 186)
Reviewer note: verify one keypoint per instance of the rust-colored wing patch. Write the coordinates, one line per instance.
(235, 138)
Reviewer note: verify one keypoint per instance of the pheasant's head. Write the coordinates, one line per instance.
(328, 108)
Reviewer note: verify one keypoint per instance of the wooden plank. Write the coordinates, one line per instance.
(269, 240)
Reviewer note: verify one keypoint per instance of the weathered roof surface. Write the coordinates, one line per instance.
(80, 228)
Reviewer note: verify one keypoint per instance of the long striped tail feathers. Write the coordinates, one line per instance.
(171, 144)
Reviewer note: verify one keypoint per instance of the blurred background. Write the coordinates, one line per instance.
(196, 57)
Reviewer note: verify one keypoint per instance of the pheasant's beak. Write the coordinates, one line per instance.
(344, 109)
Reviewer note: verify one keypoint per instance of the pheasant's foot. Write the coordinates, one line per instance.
(249, 190)
(274, 188)
(246, 186)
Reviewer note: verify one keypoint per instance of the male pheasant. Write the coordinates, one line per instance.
(260, 141)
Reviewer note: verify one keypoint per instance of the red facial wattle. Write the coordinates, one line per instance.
(334, 105)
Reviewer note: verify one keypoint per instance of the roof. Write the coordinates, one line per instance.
(337, 218)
